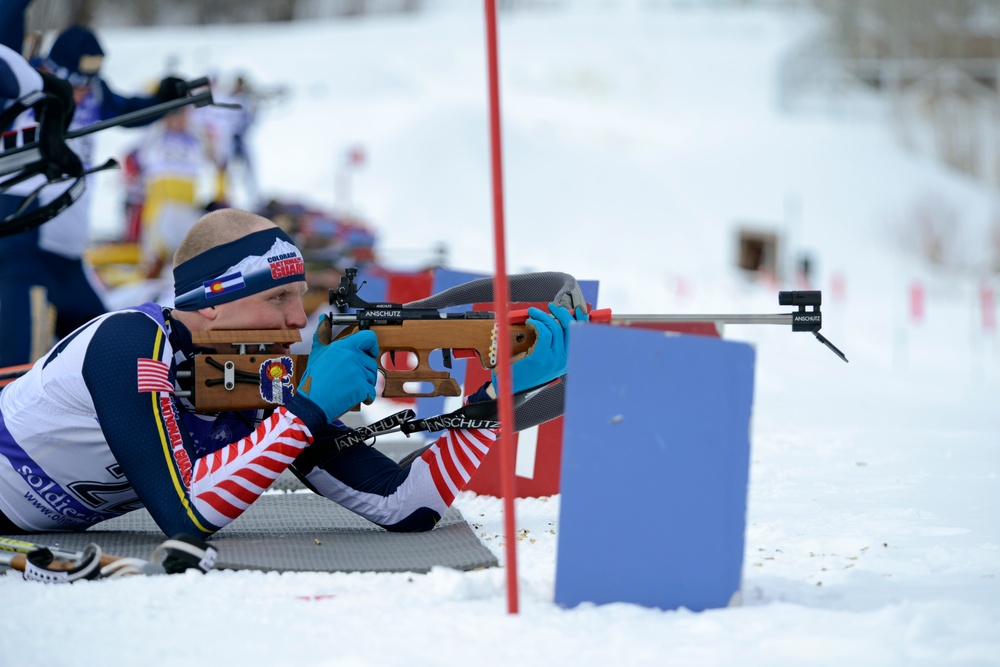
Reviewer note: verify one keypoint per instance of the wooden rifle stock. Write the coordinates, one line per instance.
(462, 339)
(240, 379)
(236, 380)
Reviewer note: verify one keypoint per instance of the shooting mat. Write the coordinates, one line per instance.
(298, 532)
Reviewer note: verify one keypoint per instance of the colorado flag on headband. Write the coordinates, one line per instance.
(224, 285)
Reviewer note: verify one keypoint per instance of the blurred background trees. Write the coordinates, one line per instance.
(930, 66)
(45, 15)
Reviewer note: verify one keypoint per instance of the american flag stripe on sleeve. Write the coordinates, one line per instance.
(154, 375)
(455, 457)
(228, 481)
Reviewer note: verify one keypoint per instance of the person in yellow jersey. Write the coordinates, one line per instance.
(172, 160)
(43, 268)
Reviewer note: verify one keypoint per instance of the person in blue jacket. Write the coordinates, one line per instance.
(43, 268)
(12, 23)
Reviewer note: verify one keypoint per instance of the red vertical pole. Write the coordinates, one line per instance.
(501, 305)
(917, 294)
(987, 304)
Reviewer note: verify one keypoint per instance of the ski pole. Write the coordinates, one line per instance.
(57, 566)
(14, 561)
(19, 562)
(40, 562)
(15, 547)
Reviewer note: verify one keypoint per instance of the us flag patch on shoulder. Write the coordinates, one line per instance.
(154, 375)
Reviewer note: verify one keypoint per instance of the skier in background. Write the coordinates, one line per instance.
(44, 267)
(230, 128)
(12, 24)
(170, 162)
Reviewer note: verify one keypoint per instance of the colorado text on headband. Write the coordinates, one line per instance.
(249, 265)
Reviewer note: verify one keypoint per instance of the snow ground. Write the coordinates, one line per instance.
(634, 141)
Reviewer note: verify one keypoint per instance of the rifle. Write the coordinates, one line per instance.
(29, 161)
(250, 378)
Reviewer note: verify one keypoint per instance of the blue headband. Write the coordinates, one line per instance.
(249, 265)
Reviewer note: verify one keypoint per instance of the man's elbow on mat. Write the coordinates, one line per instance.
(419, 521)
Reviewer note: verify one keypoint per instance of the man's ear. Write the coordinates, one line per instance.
(209, 313)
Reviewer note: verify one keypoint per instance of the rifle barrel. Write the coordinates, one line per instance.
(30, 152)
(13, 162)
(142, 114)
(782, 318)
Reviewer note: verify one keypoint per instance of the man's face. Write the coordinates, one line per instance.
(81, 81)
(277, 308)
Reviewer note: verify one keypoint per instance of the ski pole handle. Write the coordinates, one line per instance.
(19, 562)
(14, 560)
(41, 565)
(22, 548)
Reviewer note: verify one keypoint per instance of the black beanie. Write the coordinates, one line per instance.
(77, 50)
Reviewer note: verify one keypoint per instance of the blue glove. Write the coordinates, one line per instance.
(341, 374)
(548, 357)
